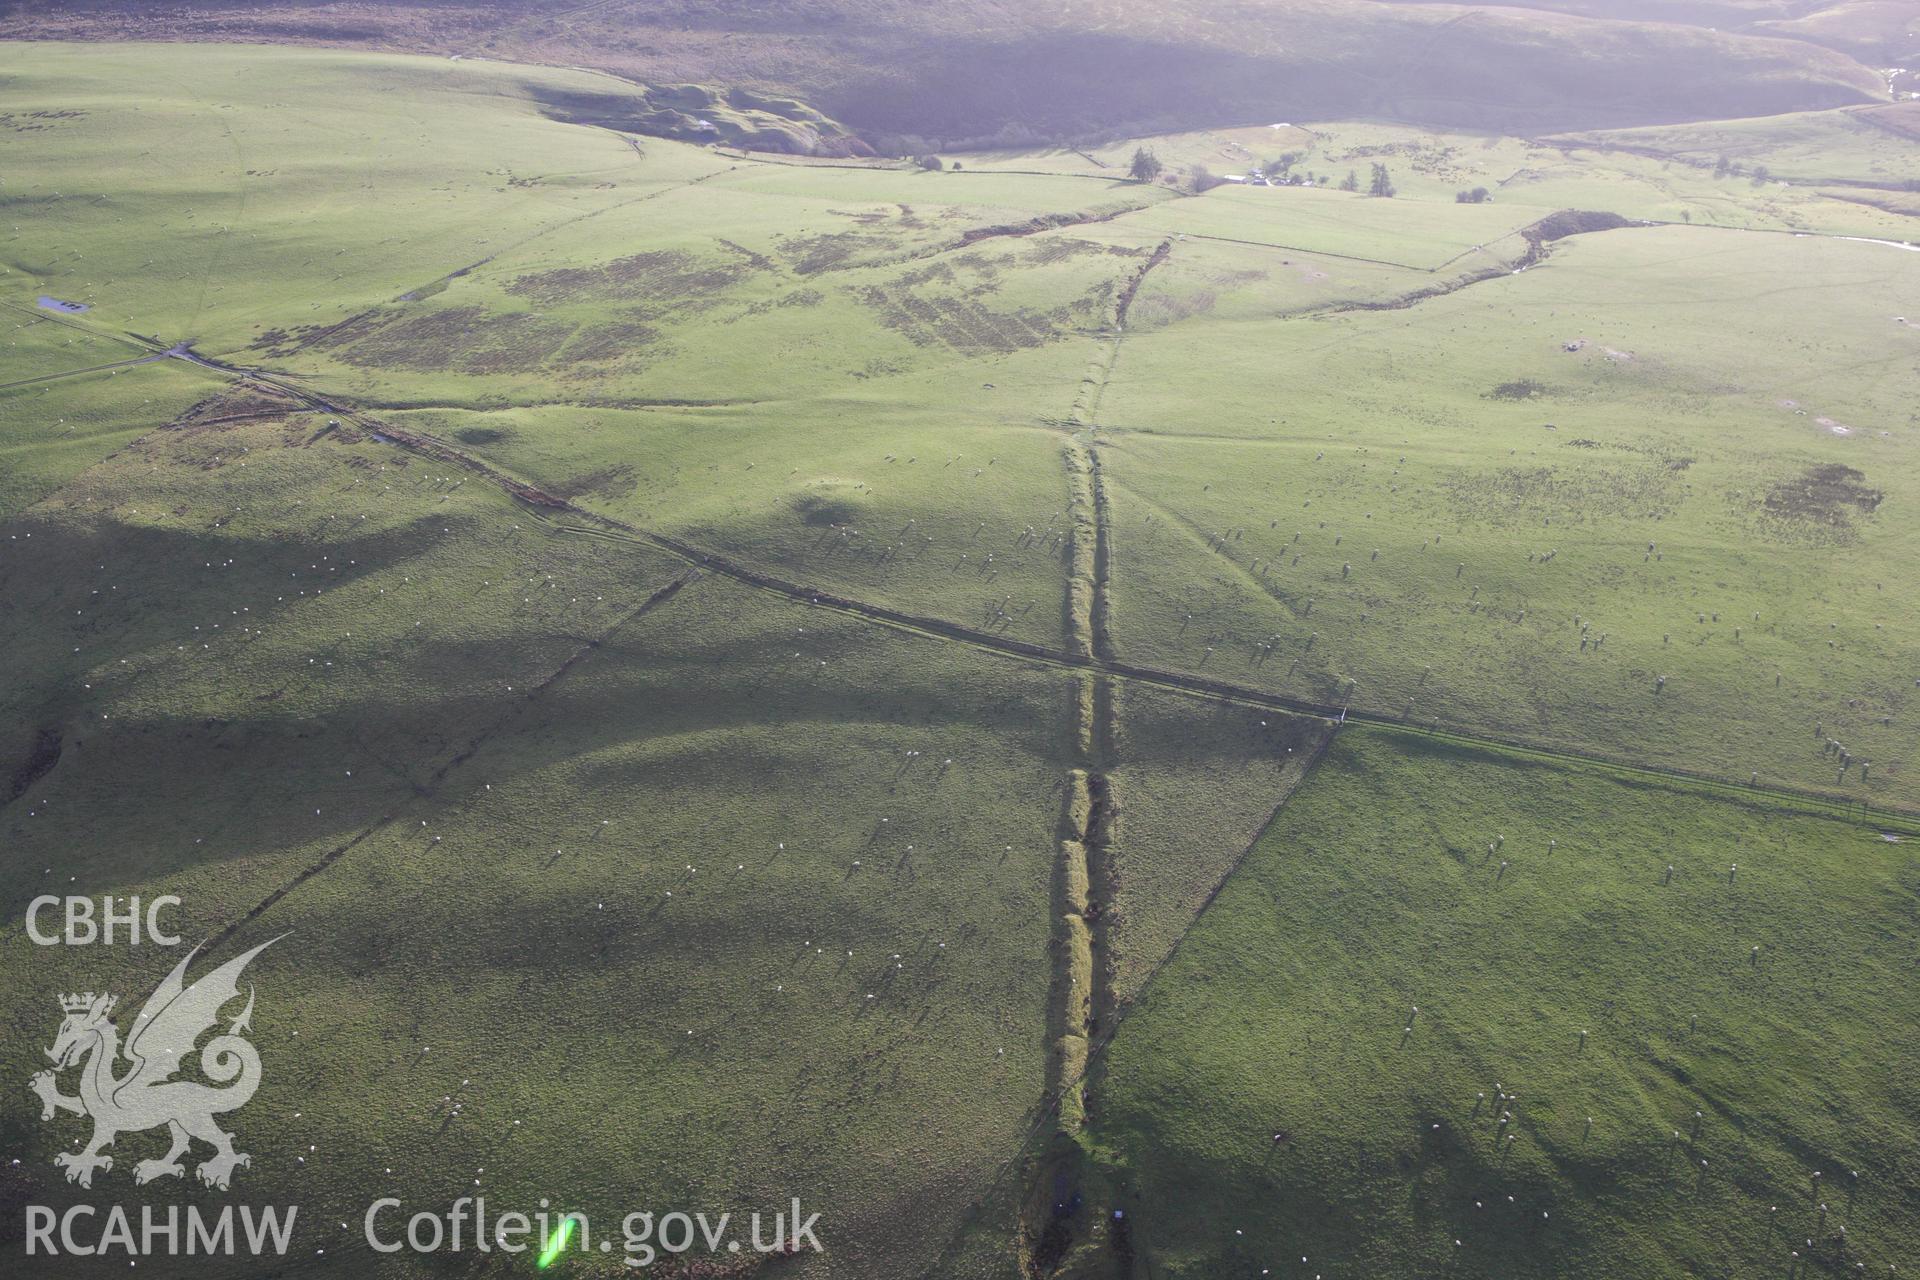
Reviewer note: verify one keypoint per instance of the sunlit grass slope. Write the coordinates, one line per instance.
(1468, 1015)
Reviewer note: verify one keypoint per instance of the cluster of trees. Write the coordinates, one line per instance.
(1147, 167)
(1729, 168)
(1478, 195)
(1200, 178)
(1380, 184)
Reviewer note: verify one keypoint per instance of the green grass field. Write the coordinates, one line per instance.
(1451, 517)
(1865, 146)
(974, 697)
(1601, 1078)
(518, 833)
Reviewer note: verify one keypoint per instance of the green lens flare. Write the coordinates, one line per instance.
(558, 1243)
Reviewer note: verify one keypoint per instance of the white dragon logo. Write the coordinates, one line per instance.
(146, 1097)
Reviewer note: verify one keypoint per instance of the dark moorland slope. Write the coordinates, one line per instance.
(900, 72)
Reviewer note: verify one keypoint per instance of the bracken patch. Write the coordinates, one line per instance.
(1827, 494)
(810, 255)
(459, 339)
(1522, 389)
(962, 324)
(604, 342)
(662, 275)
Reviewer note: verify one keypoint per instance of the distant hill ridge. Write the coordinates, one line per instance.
(905, 75)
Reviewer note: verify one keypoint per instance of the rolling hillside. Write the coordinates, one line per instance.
(906, 75)
(1350, 720)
